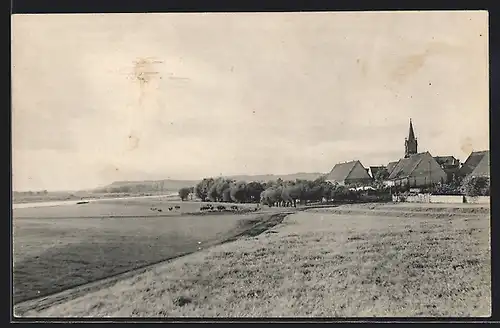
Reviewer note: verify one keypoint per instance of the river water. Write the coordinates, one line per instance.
(73, 202)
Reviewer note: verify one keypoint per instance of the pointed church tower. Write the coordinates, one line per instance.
(410, 143)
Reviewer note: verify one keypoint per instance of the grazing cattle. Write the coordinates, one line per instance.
(160, 210)
(170, 208)
(234, 207)
(177, 207)
(221, 208)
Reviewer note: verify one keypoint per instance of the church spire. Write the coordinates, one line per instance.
(411, 134)
(410, 142)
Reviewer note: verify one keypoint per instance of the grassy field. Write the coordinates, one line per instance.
(139, 207)
(63, 246)
(320, 263)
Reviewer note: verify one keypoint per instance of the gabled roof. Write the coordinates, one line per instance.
(375, 169)
(342, 171)
(391, 166)
(472, 161)
(483, 167)
(406, 167)
(447, 160)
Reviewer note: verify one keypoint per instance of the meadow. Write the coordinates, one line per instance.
(60, 247)
(350, 261)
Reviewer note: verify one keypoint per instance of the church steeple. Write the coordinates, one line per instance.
(411, 135)
(410, 142)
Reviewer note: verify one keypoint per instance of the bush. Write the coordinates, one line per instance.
(476, 186)
(446, 189)
(184, 193)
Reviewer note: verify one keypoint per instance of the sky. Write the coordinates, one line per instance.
(100, 98)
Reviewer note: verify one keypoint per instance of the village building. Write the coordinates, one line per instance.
(416, 169)
(349, 173)
(391, 166)
(374, 170)
(477, 164)
(450, 165)
(411, 143)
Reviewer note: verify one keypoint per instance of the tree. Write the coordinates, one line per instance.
(476, 186)
(272, 196)
(218, 191)
(238, 191)
(212, 192)
(291, 192)
(254, 189)
(184, 193)
(450, 188)
(340, 193)
(328, 188)
(202, 188)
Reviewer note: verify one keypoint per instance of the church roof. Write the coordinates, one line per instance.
(391, 166)
(408, 167)
(473, 161)
(343, 171)
(404, 167)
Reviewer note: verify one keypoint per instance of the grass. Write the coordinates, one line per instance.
(139, 207)
(56, 248)
(316, 264)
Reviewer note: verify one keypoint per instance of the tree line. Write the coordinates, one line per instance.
(272, 193)
(289, 193)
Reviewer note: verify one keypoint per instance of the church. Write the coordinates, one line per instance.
(419, 169)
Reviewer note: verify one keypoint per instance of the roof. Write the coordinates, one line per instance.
(341, 171)
(483, 167)
(406, 166)
(448, 160)
(403, 167)
(376, 169)
(391, 166)
(472, 161)
(411, 134)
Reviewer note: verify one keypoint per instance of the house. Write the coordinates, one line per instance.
(450, 165)
(477, 164)
(417, 170)
(349, 173)
(391, 166)
(483, 168)
(374, 170)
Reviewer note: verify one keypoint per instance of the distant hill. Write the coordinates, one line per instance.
(147, 185)
(175, 185)
(267, 177)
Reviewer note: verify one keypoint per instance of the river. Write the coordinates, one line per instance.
(73, 202)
